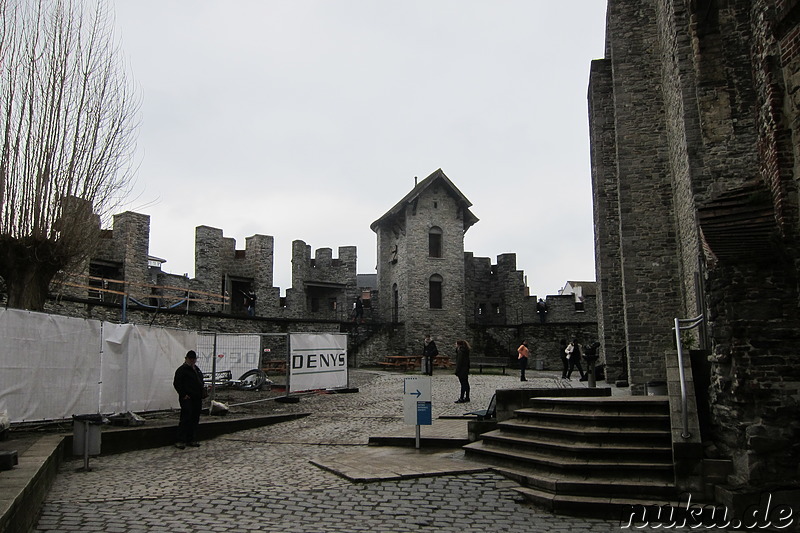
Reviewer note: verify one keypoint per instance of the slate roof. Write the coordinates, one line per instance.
(437, 176)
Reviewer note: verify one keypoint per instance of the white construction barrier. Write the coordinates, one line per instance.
(53, 367)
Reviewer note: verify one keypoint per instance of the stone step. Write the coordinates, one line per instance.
(589, 435)
(626, 510)
(631, 405)
(579, 485)
(595, 419)
(622, 451)
(567, 463)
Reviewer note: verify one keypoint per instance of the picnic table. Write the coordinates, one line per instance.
(442, 361)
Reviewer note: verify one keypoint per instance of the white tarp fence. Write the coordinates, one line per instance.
(53, 367)
(317, 361)
(238, 353)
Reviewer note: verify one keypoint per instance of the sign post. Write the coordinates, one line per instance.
(417, 402)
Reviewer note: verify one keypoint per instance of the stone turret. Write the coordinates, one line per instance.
(421, 261)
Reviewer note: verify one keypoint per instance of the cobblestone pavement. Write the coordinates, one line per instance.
(262, 479)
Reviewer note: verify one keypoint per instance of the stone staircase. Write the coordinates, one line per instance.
(585, 456)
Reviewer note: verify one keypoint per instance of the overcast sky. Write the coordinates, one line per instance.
(309, 119)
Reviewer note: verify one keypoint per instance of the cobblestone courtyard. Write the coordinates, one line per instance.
(263, 479)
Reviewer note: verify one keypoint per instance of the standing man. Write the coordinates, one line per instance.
(250, 302)
(429, 352)
(523, 354)
(188, 383)
(541, 308)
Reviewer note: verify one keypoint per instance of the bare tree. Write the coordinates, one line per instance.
(67, 118)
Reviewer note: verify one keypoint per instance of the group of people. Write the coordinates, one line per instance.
(188, 381)
(571, 354)
(463, 349)
(570, 359)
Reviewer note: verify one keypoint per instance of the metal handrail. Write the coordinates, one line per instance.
(683, 324)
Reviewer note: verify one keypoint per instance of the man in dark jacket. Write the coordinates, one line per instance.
(188, 384)
(429, 352)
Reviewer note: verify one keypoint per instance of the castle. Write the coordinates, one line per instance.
(425, 284)
(695, 143)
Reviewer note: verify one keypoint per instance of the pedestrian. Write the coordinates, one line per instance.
(573, 352)
(590, 354)
(523, 354)
(462, 369)
(188, 383)
(250, 302)
(541, 308)
(358, 310)
(564, 359)
(429, 353)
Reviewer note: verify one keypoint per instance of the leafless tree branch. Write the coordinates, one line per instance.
(68, 118)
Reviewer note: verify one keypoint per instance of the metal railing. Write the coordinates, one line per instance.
(684, 324)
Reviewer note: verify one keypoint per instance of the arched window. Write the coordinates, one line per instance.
(435, 291)
(435, 242)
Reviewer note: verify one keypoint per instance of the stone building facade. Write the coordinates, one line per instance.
(695, 138)
(421, 261)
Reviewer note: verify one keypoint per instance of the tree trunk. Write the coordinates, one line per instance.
(28, 268)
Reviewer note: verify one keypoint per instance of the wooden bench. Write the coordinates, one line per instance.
(488, 362)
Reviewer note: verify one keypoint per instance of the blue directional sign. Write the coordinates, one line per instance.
(417, 401)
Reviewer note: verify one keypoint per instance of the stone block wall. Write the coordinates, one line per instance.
(133, 238)
(218, 265)
(496, 294)
(391, 246)
(434, 208)
(322, 287)
(648, 247)
(608, 258)
(210, 250)
(126, 246)
(703, 96)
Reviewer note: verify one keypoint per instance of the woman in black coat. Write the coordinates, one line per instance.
(462, 369)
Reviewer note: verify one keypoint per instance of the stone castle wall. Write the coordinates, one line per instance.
(322, 287)
(608, 258)
(474, 291)
(695, 162)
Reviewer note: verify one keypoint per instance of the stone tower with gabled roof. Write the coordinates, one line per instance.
(421, 262)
